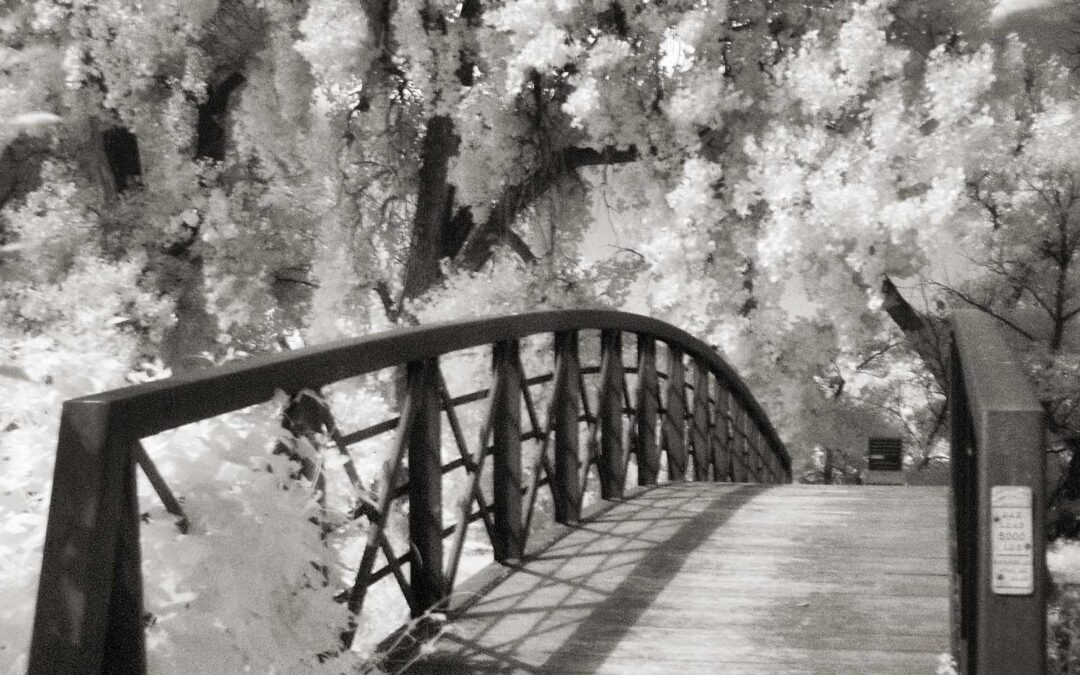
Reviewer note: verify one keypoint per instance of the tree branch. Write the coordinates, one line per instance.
(576, 158)
(515, 242)
(382, 289)
(921, 331)
(984, 308)
(900, 310)
(880, 352)
(477, 247)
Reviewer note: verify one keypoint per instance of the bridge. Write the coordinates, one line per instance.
(690, 550)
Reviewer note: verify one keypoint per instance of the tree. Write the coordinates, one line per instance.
(957, 168)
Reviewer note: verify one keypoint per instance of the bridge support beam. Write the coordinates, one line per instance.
(648, 405)
(674, 429)
(739, 473)
(509, 537)
(998, 434)
(90, 602)
(720, 435)
(567, 488)
(699, 424)
(425, 489)
(612, 454)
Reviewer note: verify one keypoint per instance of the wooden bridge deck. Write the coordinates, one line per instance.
(722, 578)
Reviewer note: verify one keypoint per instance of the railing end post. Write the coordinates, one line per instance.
(89, 603)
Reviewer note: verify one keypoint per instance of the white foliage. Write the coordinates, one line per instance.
(825, 76)
(537, 36)
(334, 41)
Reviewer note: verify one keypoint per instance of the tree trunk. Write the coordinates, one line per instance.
(924, 334)
(434, 203)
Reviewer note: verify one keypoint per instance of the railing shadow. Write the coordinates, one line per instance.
(585, 571)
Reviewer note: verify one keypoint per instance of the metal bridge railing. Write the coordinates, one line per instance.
(998, 504)
(89, 606)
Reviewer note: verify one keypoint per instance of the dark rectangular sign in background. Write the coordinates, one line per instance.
(885, 454)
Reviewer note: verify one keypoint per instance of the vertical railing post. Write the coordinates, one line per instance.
(721, 435)
(758, 452)
(647, 404)
(749, 452)
(699, 427)
(509, 539)
(89, 603)
(674, 429)
(425, 489)
(612, 458)
(963, 542)
(999, 491)
(566, 404)
(738, 444)
(776, 474)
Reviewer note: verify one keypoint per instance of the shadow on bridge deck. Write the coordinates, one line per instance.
(722, 578)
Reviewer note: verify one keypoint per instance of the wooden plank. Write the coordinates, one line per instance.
(566, 486)
(610, 411)
(509, 539)
(647, 405)
(714, 578)
(673, 434)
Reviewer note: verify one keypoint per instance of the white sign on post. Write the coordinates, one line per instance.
(1012, 565)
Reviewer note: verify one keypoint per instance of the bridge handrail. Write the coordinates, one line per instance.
(89, 605)
(172, 402)
(997, 440)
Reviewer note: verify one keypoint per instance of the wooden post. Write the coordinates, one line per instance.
(734, 440)
(674, 429)
(648, 397)
(612, 458)
(759, 453)
(509, 540)
(89, 609)
(963, 506)
(565, 403)
(999, 442)
(720, 438)
(425, 490)
(699, 429)
(743, 446)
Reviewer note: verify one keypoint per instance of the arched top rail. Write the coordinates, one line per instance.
(581, 419)
(153, 407)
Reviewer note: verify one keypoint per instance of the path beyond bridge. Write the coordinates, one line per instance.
(722, 578)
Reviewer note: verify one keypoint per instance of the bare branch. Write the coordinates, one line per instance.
(880, 352)
(382, 289)
(515, 242)
(982, 307)
(476, 250)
